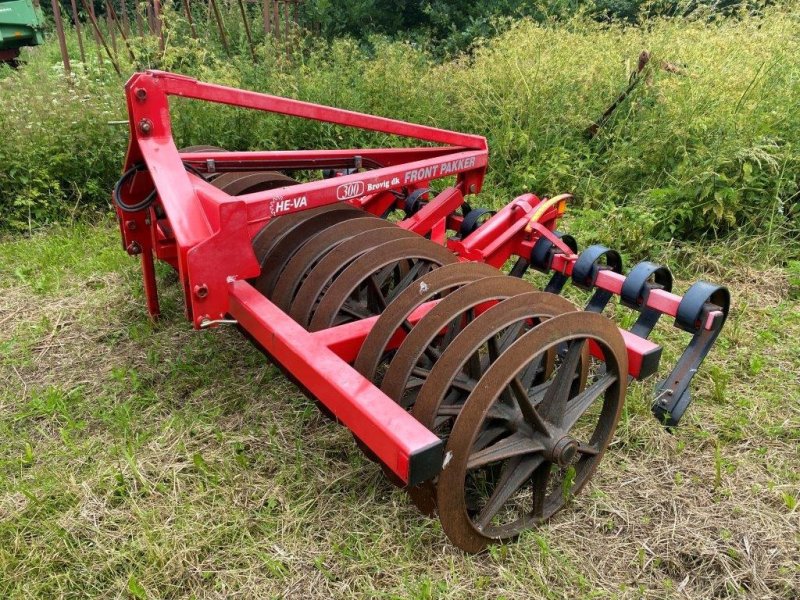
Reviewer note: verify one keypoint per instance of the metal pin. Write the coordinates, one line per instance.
(205, 323)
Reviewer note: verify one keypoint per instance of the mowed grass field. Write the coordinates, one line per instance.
(142, 460)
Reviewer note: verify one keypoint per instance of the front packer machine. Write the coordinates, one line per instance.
(490, 401)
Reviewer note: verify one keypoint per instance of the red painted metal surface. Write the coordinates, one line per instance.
(206, 234)
(371, 415)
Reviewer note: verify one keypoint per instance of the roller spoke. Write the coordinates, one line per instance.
(539, 481)
(555, 398)
(498, 411)
(418, 270)
(494, 350)
(487, 436)
(588, 450)
(356, 311)
(511, 334)
(465, 383)
(581, 403)
(376, 293)
(530, 372)
(514, 445)
(474, 366)
(516, 472)
(529, 412)
(537, 392)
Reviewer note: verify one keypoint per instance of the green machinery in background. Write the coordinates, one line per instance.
(21, 24)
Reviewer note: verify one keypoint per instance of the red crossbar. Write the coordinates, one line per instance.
(405, 446)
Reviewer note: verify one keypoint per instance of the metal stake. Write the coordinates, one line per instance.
(113, 14)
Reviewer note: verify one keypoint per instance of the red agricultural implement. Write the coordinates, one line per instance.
(491, 402)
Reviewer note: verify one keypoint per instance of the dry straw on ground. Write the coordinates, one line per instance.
(153, 461)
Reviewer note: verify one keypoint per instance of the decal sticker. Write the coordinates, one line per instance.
(286, 204)
(383, 185)
(434, 171)
(350, 190)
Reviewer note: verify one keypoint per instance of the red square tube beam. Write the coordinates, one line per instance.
(403, 444)
(186, 87)
(661, 300)
(346, 340)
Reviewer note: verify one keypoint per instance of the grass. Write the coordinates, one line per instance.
(145, 460)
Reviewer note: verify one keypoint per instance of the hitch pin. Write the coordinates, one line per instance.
(206, 323)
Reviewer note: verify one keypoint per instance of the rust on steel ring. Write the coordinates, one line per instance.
(531, 458)
(274, 261)
(273, 229)
(429, 327)
(505, 314)
(335, 261)
(313, 250)
(367, 265)
(249, 182)
(437, 281)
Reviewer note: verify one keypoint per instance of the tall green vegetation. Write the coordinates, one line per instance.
(708, 143)
(447, 26)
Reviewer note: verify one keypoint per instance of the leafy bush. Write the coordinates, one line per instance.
(708, 144)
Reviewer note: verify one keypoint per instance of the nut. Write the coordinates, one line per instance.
(201, 290)
(145, 126)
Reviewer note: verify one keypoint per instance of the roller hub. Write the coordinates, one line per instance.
(563, 452)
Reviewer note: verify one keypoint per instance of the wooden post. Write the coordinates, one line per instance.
(139, 21)
(287, 28)
(90, 12)
(126, 24)
(151, 25)
(78, 33)
(159, 24)
(111, 33)
(188, 12)
(113, 14)
(62, 41)
(247, 29)
(267, 9)
(633, 81)
(218, 18)
(276, 20)
(100, 37)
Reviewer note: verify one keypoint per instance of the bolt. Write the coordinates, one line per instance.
(145, 126)
(141, 94)
(131, 225)
(134, 248)
(201, 290)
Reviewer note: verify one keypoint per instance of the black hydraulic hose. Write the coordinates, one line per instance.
(150, 198)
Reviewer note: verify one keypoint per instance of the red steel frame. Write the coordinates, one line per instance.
(206, 236)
